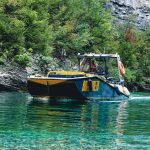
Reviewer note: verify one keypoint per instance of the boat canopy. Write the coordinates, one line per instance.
(93, 55)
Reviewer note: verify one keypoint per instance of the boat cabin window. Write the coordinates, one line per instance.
(107, 67)
(92, 66)
(85, 65)
(88, 65)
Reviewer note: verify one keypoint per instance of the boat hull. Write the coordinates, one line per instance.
(76, 88)
(61, 90)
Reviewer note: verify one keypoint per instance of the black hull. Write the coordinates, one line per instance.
(67, 90)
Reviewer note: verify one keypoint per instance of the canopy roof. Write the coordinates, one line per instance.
(93, 55)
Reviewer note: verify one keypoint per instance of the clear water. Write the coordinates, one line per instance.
(68, 125)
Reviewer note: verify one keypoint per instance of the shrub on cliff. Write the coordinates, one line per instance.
(22, 59)
(2, 61)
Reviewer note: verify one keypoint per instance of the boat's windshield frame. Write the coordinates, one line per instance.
(104, 57)
(93, 55)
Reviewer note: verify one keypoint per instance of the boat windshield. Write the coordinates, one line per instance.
(107, 67)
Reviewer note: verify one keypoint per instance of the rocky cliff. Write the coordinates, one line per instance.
(138, 10)
(13, 77)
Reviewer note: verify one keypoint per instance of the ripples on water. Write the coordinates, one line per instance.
(70, 125)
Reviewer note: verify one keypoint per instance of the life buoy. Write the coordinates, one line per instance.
(122, 69)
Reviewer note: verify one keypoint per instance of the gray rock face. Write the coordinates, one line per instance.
(12, 78)
(139, 10)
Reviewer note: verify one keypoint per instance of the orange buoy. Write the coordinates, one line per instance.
(122, 69)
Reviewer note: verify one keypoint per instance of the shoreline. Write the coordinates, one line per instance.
(14, 78)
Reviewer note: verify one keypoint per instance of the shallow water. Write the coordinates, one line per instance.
(26, 123)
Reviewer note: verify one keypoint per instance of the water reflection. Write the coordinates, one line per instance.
(96, 122)
(122, 115)
(54, 116)
(76, 117)
(66, 124)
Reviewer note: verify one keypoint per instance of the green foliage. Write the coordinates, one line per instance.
(130, 75)
(66, 27)
(22, 59)
(81, 26)
(46, 60)
(135, 52)
(24, 24)
(2, 61)
(55, 26)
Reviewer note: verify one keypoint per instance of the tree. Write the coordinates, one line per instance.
(81, 26)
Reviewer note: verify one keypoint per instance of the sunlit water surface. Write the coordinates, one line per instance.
(26, 123)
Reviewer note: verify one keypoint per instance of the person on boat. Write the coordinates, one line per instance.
(93, 66)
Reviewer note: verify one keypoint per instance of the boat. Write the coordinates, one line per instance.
(93, 80)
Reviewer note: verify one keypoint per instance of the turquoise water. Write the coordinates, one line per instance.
(26, 124)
